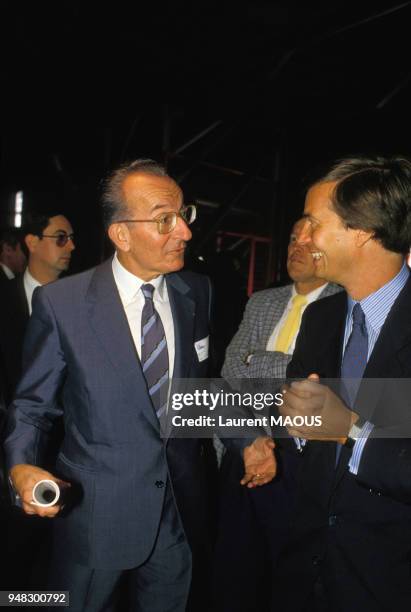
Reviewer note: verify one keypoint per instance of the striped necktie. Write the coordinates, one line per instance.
(154, 353)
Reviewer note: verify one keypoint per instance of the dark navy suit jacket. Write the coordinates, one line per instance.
(80, 360)
(14, 315)
(354, 530)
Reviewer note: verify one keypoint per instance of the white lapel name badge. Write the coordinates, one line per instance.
(201, 346)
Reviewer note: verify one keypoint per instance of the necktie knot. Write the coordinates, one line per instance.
(148, 291)
(358, 316)
(299, 300)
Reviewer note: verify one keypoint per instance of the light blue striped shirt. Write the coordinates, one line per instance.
(376, 308)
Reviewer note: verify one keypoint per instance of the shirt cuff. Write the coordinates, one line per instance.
(15, 497)
(300, 443)
(358, 447)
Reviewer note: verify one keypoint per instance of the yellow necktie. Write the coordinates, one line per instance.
(291, 324)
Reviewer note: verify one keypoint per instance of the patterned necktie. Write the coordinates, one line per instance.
(354, 360)
(291, 325)
(154, 353)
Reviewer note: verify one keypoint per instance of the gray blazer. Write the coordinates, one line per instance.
(262, 313)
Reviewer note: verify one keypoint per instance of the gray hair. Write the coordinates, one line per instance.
(113, 202)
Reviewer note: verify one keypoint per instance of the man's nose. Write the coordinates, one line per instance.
(70, 244)
(304, 235)
(182, 230)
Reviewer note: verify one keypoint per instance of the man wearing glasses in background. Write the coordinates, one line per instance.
(108, 341)
(48, 241)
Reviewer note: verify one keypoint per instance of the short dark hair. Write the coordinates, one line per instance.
(374, 194)
(11, 236)
(113, 202)
(37, 222)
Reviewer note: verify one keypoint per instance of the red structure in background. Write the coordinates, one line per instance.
(259, 273)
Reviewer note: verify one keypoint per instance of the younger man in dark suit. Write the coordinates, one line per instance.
(48, 240)
(49, 243)
(350, 542)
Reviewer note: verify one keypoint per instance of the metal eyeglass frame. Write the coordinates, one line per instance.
(160, 222)
(61, 239)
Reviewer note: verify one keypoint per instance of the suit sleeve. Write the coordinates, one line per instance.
(263, 364)
(36, 407)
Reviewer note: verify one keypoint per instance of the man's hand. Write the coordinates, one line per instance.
(24, 477)
(308, 398)
(259, 463)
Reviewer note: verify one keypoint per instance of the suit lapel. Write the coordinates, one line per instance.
(109, 322)
(183, 311)
(391, 358)
(275, 310)
(328, 366)
(331, 355)
(22, 301)
(394, 341)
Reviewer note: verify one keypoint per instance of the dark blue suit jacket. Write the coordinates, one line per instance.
(354, 530)
(80, 360)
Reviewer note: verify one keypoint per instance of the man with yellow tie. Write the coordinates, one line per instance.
(262, 348)
(264, 343)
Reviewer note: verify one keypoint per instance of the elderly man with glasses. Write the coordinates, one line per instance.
(108, 342)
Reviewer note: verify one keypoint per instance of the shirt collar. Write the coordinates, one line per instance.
(9, 273)
(312, 295)
(129, 284)
(377, 305)
(30, 281)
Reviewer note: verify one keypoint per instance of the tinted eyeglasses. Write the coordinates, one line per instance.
(61, 239)
(166, 222)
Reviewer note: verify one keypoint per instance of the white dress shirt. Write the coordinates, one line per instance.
(311, 297)
(30, 283)
(132, 298)
(9, 273)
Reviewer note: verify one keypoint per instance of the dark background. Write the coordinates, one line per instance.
(239, 99)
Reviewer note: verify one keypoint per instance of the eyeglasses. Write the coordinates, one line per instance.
(61, 239)
(166, 222)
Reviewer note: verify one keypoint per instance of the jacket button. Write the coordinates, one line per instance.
(374, 492)
(317, 560)
(159, 484)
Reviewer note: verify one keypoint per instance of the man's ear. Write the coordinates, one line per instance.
(119, 236)
(362, 237)
(31, 241)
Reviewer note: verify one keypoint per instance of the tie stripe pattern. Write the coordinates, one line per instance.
(154, 353)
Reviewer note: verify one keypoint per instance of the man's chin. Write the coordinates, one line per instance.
(63, 267)
(322, 274)
(176, 263)
(300, 271)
